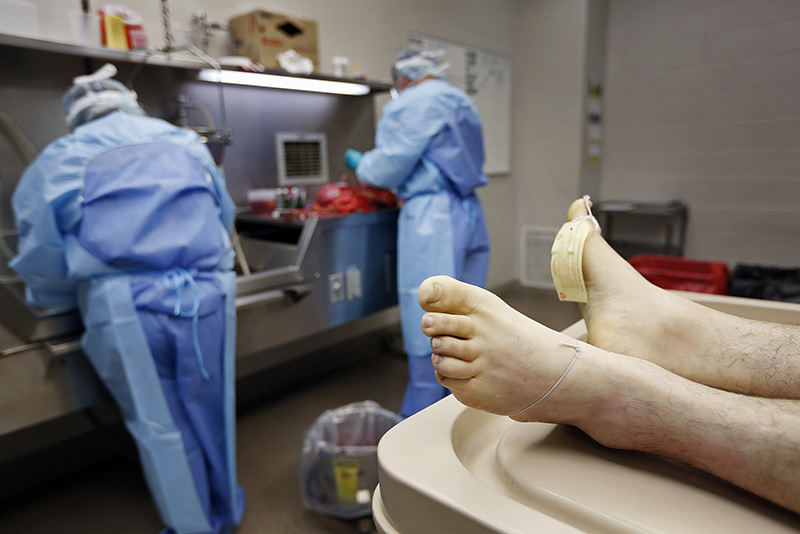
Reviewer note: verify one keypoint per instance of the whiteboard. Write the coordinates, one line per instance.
(486, 78)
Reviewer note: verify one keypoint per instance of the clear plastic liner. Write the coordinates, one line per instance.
(338, 463)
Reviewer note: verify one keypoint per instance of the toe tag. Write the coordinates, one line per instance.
(566, 256)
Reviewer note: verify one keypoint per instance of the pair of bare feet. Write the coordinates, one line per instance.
(659, 373)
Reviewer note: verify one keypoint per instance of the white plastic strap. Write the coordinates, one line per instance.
(105, 72)
(564, 374)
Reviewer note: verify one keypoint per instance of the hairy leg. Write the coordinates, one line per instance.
(493, 358)
(752, 442)
(628, 315)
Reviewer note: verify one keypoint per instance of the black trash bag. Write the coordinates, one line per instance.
(339, 461)
(771, 283)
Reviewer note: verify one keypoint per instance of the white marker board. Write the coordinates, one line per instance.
(486, 78)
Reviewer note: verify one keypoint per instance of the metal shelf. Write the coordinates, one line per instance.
(628, 248)
(673, 214)
(180, 60)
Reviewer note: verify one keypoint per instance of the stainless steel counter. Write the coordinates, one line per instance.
(310, 276)
(314, 281)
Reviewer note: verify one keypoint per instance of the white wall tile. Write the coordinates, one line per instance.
(672, 55)
(738, 45)
(762, 12)
(693, 18)
(692, 82)
(735, 249)
(786, 37)
(716, 123)
(768, 72)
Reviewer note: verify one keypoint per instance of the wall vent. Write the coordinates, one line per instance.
(302, 158)
(536, 244)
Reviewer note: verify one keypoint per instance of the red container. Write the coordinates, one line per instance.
(671, 272)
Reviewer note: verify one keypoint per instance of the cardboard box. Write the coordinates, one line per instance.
(262, 35)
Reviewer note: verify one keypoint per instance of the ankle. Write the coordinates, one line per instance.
(614, 418)
(592, 391)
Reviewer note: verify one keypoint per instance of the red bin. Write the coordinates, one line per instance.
(671, 272)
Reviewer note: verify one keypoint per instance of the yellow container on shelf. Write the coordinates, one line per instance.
(114, 33)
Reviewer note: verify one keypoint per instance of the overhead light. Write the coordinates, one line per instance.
(276, 81)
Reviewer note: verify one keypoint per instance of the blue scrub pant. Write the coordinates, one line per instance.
(177, 402)
(439, 233)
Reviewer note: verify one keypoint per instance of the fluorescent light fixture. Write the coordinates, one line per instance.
(283, 82)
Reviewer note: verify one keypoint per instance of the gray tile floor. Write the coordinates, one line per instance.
(112, 496)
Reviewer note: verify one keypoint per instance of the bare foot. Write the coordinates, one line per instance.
(627, 314)
(495, 359)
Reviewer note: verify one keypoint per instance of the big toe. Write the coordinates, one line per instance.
(448, 295)
(578, 209)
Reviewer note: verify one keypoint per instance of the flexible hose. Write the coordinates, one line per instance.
(27, 152)
(205, 113)
(19, 140)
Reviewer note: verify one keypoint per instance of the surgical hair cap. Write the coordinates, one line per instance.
(96, 94)
(414, 63)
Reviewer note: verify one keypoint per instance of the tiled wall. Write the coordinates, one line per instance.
(703, 104)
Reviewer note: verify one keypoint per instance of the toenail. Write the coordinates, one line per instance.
(427, 321)
(436, 343)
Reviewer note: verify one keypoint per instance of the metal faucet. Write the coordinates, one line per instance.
(202, 29)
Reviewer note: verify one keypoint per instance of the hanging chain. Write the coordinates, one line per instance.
(169, 42)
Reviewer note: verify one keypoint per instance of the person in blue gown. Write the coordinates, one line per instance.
(128, 219)
(429, 148)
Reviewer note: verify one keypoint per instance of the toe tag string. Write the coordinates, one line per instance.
(578, 220)
(577, 349)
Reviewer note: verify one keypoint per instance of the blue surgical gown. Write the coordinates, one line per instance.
(128, 219)
(429, 147)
